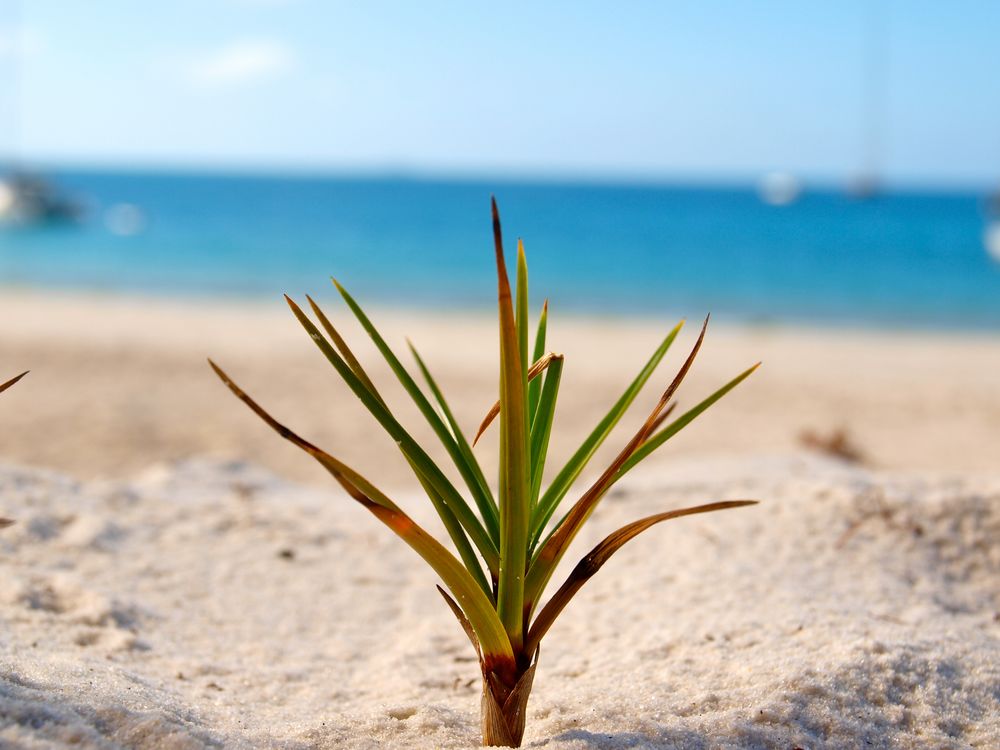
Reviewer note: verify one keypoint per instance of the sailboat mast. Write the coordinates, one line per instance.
(875, 97)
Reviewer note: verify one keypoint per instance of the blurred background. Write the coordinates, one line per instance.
(821, 162)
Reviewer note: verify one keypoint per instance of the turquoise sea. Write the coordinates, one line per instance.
(902, 259)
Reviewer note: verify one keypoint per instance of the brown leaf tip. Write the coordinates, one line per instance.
(221, 373)
(497, 233)
(12, 381)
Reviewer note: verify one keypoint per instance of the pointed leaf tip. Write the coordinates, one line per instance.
(536, 369)
(497, 233)
(593, 560)
(296, 309)
(12, 381)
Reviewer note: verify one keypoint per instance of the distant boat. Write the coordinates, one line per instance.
(866, 183)
(27, 200)
(779, 188)
(991, 239)
(991, 233)
(863, 187)
(993, 204)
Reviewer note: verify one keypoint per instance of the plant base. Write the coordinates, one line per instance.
(504, 708)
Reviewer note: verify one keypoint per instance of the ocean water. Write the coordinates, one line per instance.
(900, 260)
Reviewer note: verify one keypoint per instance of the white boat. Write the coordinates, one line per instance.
(991, 239)
(779, 188)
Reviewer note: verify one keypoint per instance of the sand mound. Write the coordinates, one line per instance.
(208, 604)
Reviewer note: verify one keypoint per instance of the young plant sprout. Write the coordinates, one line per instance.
(5, 522)
(507, 547)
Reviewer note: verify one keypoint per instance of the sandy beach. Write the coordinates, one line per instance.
(120, 382)
(180, 578)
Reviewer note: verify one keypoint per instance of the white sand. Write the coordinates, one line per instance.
(852, 609)
(209, 604)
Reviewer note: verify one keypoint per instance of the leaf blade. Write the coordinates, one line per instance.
(521, 310)
(483, 502)
(550, 553)
(535, 386)
(541, 427)
(536, 369)
(12, 381)
(344, 349)
(459, 580)
(595, 559)
(456, 429)
(415, 455)
(514, 508)
(562, 482)
(682, 421)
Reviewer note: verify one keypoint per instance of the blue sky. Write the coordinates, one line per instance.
(654, 90)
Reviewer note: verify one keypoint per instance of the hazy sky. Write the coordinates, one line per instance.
(712, 90)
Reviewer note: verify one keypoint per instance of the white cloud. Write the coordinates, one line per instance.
(241, 62)
(19, 41)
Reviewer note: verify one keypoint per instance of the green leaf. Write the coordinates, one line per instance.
(541, 428)
(595, 559)
(557, 490)
(456, 430)
(551, 552)
(681, 422)
(344, 349)
(473, 600)
(451, 523)
(521, 315)
(535, 386)
(483, 500)
(470, 631)
(514, 481)
(418, 458)
(455, 531)
(536, 369)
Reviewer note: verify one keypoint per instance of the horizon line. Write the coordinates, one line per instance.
(583, 177)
